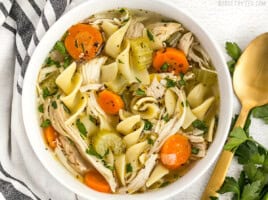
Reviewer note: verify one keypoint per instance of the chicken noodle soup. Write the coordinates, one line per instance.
(128, 101)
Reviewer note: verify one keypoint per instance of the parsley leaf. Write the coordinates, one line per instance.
(214, 198)
(233, 50)
(200, 125)
(230, 185)
(261, 113)
(138, 79)
(46, 123)
(170, 83)
(91, 151)
(50, 62)
(140, 92)
(231, 66)
(41, 108)
(251, 191)
(150, 35)
(150, 141)
(147, 125)
(59, 46)
(92, 119)
(81, 127)
(182, 82)
(195, 150)
(164, 67)
(46, 93)
(166, 118)
(236, 138)
(164, 184)
(129, 168)
(54, 104)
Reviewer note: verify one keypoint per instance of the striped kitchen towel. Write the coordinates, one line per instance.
(21, 174)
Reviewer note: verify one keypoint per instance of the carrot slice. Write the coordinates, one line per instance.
(171, 60)
(175, 151)
(95, 180)
(83, 41)
(110, 102)
(50, 136)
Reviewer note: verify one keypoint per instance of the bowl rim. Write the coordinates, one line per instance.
(30, 116)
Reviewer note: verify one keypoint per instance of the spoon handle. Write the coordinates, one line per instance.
(221, 168)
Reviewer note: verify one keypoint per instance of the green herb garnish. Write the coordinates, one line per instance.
(164, 67)
(92, 119)
(165, 184)
(50, 62)
(195, 150)
(91, 151)
(59, 46)
(138, 79)
(129, 168)
(46, 123)
(150, 141)
(234, 52)
(54, 104)
(81, 127)
(261, 113)
(46, 93)
(41, 108)
(182, 82)
(120, 61)
(200, 125)
(66, 109)
(147, 125)
(140, 92)
(166, 118)
(170, 83)
(150, 35)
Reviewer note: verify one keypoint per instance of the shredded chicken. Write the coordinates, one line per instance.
(162, 31)
(186, 42)
(92, 69)
(156, 89)
(135, 30)
(81, 145)
(73, 156)
(142, 175)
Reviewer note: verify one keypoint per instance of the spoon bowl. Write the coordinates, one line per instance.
(251, 73)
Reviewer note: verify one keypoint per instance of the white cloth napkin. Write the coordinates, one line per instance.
(21, 174)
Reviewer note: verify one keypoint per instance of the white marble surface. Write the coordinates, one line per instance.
(226, 20)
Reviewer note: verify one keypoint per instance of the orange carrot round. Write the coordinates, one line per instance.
(95, 180)
(110, 102)
(171, 60)
(50, 136)
(83, 41)
(175, 151)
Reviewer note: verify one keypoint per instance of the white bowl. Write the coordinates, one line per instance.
(29, 103)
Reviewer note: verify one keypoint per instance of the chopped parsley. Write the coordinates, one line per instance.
(46, 123)
(81, 127)
(182, 82)
(129, 168)
(170, 83)
(164, 67)
(54, 104)
(41, 108)
(50, 62)
(147, 125)
(150, 141)
(67, 61)
(166, 118)
(150, 35)
(200, 125)
(138, 79)
(140, 92)
(91, 151)
(165, 184)
(66, 109)
(195, 150)
(46, 93)
(59, 46)
(92, 119)
(234, 52)
(120, 61)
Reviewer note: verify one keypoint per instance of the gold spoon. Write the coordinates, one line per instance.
(250, 82)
